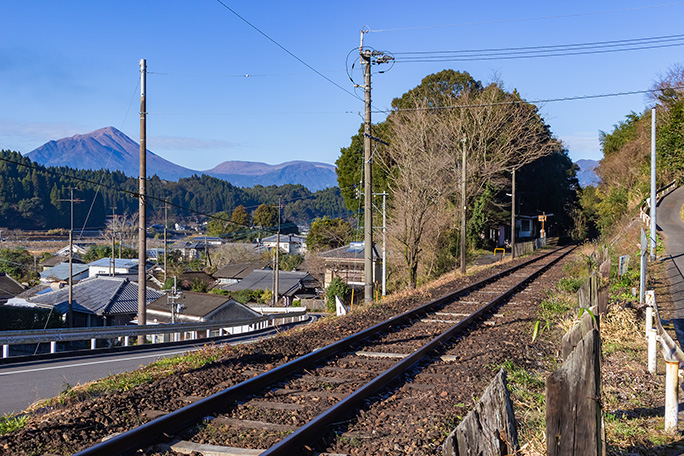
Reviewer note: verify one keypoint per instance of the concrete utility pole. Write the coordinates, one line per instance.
(652, 212)
(513, 215)
(463, 207)
(368, 178)
(70, 316)
(142, 203)
(367, 58)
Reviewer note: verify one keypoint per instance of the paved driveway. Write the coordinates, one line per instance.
(671, 229)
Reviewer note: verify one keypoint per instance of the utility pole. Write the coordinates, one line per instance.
(463, 207)
(276, 278)
(652, 212)
(384, 246)
(513, 215)
(142, 203)
(112, 260)
(166, 222)
(70, 316)
(367, 58)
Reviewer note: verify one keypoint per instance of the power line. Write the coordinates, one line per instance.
(512, 102)
(560, 50)
(287, 51)
(529, 19)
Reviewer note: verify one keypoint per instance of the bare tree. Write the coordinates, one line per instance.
(419, 183)
(502, 133)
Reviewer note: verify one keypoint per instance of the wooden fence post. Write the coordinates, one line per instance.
(489, 429)
(574, 418)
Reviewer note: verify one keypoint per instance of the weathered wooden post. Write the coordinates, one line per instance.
(489, 429)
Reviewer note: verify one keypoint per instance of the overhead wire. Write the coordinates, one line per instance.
(286, 50)
(560, 50)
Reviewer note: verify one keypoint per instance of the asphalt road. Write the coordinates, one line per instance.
(22, 384)
(671, 228)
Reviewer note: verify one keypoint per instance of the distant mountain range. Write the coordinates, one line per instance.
(587, 172)
(109, 148)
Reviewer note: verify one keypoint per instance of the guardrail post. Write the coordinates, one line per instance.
(650, 299)
(5, 351)
(652, 351)
(93, 344)
(53, 346)
(671, 396)
(127, 341)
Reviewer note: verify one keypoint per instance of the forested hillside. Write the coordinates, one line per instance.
(31, 196)
(626, 164)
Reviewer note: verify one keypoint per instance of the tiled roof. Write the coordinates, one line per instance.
(97, 295)
(61, 271)
(238, 270)
(353, 251)
(203, 305)
(289, 282)
(9, 286)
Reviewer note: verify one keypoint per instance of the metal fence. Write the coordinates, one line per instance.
(153, 333)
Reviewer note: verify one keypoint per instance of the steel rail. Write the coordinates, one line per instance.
(145, 434)
(314, 428)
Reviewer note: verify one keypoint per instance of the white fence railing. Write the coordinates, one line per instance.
(645, 210)
(155, 333)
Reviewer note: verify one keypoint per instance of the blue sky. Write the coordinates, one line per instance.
(71, 67)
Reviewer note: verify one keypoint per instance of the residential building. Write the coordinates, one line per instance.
(96, 301)
(60, 273)
(9, 288)
(291, 284)
(289, 243)
(348, 264)
(235, 272)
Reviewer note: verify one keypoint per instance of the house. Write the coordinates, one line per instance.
(9, 288)
(60, 273)
(193, 249)
(526, 228)
(76, 249)
(198, 307)
(348, 262)
(289, 243)
(96, 301)
(291, 284)
(105, 266)
(186, 279)
(57, 259)
(235, 272)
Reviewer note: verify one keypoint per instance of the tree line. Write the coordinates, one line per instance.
(33, 197)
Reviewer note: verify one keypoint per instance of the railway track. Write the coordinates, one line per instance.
(288, 409)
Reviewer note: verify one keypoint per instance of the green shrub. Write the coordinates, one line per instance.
(570, 284)
(336, 288)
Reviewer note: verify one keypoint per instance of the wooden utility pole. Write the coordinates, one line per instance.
(112, 260)
(70, 315)
(276, 274)
(463, 207)
(166, 222)
(142, 203)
